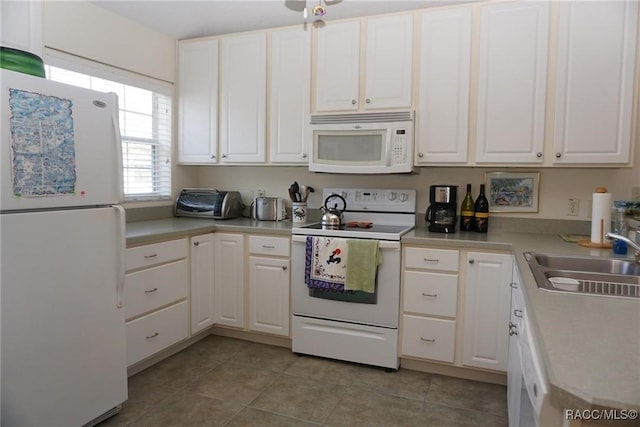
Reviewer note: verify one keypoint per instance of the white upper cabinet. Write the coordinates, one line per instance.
(21, 25)
(389, 56)
(594, 89)
(290, 92)
(443, 79)
(512, 76)
(337, 75)
(198, 102)
(385, 80)
(243, 98)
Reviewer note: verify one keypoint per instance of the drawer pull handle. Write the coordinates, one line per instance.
(152, 336)
(431, 260)
(513, 331)
(429, 295)
(150, 291)
(427, 339)
(150, 256)
(268, 246)
(513, 285)
(517, 313)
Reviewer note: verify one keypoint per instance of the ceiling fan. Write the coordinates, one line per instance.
(318, 10)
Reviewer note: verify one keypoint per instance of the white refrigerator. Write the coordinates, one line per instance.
(62, 233)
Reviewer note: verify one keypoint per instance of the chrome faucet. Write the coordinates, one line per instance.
(628, 241)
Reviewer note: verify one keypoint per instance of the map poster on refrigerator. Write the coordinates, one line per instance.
(42, 144)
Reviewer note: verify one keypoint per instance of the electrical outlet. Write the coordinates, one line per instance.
(260, 193)
(573, 208)
(635, 193)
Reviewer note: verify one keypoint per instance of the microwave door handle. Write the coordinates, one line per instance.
(389, 148)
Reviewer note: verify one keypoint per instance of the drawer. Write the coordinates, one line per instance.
(428, 338)
(151, 288)
(430, 293)
(267, 245)
(156, 253)
(156, 331)
(431, 259)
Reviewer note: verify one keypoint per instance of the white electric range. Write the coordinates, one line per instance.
(354, 326)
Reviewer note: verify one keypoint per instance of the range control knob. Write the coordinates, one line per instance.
(392, 195)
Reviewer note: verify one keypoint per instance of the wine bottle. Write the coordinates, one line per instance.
(466, 211)
(481, 215)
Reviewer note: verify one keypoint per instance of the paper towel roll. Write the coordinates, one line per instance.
(601, 217)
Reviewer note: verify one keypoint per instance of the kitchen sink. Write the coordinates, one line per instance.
(610, 277)
(590, 264)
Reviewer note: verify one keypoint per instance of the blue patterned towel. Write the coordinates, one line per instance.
(325, 263)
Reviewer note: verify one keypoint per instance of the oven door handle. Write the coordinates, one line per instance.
(382, 244)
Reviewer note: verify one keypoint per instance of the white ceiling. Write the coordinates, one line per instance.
(197, 18)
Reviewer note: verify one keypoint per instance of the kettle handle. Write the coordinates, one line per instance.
(331, 196)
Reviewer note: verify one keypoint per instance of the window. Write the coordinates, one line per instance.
(145, 128)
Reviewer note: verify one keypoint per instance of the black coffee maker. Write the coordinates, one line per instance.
(441, 214)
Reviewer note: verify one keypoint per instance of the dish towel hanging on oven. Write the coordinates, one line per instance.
(363, 259)
(325, 263)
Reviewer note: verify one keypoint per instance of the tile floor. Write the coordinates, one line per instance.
(227, 382)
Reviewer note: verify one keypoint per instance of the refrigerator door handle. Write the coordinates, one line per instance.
(122, 260)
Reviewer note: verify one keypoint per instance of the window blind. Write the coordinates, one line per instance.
(145, 128)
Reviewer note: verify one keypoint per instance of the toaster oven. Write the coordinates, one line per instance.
(208, 203)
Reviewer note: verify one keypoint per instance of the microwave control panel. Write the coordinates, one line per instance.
(399, 143)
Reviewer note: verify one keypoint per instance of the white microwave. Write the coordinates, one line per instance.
(367, 143)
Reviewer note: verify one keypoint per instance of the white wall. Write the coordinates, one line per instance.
(89, 31)
(556, 185)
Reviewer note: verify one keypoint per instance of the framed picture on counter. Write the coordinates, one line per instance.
(512, 191)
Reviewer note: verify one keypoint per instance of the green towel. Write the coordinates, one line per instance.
(363, 259)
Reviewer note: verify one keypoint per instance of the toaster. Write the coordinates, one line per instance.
(208, 203)
(269, 209)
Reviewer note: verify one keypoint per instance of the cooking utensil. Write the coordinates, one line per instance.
(359, 224)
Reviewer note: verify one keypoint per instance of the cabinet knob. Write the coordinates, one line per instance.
(224, 156)
(558, 155)
(196, 243)
(513, 285)
(538, 154)
(368, 101)
(213, 156)
(420, 155)
(304, 156)
(472, 261)
(353, 102)
(284, 267)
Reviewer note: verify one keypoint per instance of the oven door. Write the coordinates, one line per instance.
(384, 312)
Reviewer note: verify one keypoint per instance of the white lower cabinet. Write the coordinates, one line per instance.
(455, 306)
(269, 284)
(155, 297)
(430, 295)
(149, 334)
(428, 338)
(202, 291)
(229, 279)
(487, 300)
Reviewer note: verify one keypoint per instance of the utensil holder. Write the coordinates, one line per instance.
(299, 212)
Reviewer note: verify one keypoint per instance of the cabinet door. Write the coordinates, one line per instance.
(243, 98)
(512, 82)
(337, 73)
(202, 290)
(290, 92)
(269, 295)
(443, 102)
(389, 59)
(21, 25)
(594, 90)
(486, 312)
(198, 102)
(229, 279)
